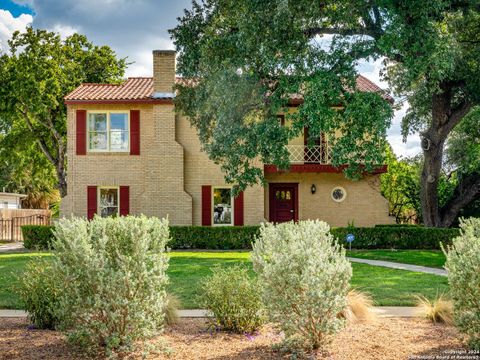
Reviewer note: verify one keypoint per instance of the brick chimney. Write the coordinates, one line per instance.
(163, 73)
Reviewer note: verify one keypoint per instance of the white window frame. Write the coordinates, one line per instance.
(99, 190)
(108, 112)
(232, 221)
(344, 194)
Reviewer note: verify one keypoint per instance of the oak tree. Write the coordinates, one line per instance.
(247, 57)
(38, 71)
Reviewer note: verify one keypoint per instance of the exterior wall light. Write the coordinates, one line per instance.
(313, 189)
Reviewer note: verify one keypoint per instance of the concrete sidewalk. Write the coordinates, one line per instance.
(381, 311)
(14, 246)
(400, 266)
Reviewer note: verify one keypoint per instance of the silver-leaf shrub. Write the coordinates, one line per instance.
(114, 280)
(233, 298)
(304, 276)
(463, 266)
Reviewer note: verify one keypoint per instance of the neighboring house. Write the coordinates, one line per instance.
(11, 200)
(130, 153)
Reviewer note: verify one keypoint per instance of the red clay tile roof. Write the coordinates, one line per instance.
(141, 89)
(137, 88)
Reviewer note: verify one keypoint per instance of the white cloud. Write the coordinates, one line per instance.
(64, 30)
(10, 24)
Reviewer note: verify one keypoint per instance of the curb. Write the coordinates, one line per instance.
(380, 311)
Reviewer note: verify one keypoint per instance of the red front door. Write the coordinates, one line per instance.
(283, 202)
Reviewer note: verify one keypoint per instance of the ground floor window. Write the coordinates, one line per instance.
(108, 201)
(222, 206)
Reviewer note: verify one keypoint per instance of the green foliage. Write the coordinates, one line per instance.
(37, 72)
(211, 237)
(305, 277)
(39, 290)
(37, 237)
(114, 280)
(248, 57)
(463, 259)
(397, 237)
(219, 45)
(233, 298)
(401, 187)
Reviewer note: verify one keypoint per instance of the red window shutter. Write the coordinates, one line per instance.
(206, 205)
(124, 200)
(134, 132)
(91, 201)
(238, 210)
(81, 132)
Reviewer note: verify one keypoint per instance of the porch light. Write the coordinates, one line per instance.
(313, 189)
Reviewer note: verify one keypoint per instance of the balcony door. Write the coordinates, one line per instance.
(283, 202)
(317, 152)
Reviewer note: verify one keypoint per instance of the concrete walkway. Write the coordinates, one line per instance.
(381, 311)
(14, 246)
(394, 265)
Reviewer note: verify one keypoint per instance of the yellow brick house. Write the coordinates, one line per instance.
(130, 153)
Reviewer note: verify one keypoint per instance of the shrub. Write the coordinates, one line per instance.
(210, 237)
(378, 237)
(233, 299)
(463, 265)
(37, 237)
(397, 237)
(113, 271)
(438, 310)
(39, 290)
(304, 277)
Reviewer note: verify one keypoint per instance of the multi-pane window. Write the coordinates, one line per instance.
(222, 206)
(108, 202)
(108, 131)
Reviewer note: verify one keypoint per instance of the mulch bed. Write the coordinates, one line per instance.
(385, 338)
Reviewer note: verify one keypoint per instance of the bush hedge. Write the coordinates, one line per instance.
(242, 237)
(37, 237)
(397, 237)
(214, 238)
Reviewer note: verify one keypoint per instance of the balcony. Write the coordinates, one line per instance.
(312, 159)
(316, 154)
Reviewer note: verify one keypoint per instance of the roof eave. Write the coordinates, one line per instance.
(119, 101)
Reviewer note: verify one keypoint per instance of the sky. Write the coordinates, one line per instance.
(133, 28)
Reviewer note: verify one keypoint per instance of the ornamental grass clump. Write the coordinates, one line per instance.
(233, 298)
(114, 280)
(463, 266)
(304, 276)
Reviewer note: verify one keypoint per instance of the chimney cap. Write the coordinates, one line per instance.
(163, 52)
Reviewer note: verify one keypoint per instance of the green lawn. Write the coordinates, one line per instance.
(387, 286)
(430, 258)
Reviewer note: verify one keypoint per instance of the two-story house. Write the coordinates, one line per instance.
(130, 153)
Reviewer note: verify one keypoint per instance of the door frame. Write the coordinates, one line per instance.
(271, 194)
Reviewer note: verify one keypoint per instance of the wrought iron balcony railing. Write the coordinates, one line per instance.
(317, 154)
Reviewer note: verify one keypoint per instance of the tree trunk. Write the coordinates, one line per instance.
(467, 190)
(429, 181)
(62, 183)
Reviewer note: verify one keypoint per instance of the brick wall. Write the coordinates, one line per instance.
(364, 204)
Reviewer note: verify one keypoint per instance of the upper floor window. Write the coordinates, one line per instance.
(108, 131)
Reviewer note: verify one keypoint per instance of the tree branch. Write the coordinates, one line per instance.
(467, 190)
(41, 142)
(456, 115)
(341, 31)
